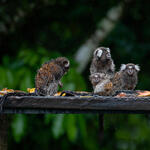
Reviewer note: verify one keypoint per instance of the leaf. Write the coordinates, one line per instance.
(71, 128)
(10, 78)
(57, 126)
(26, 81)
(18, 127)
(48, 118)
(2, 77)
(82, 126)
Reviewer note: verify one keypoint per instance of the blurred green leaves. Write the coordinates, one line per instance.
(18, 127)
(32, 33)
(71, 128)
(57, 126)
(73, 81)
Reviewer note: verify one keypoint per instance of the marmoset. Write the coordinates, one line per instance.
(129, 76)
(95, 78)
(46, 81)
(104, 88)
(125, 79)
(102, 62)
(102, 70)
(101, 83)
(49, 75)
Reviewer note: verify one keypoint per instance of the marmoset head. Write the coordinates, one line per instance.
(102, 53)
(95, 78)
(129, 69)
(63, 62)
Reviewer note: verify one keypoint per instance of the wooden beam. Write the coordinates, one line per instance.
(75, 104)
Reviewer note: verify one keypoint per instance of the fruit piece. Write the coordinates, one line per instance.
(31, 90)
(121, 95)
(144, 94)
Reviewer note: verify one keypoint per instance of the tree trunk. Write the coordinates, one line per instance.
(3, 131)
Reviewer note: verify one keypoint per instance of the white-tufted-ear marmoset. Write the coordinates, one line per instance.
(102, 61)
(129, 76)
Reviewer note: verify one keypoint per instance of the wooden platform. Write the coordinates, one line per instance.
(75, 104)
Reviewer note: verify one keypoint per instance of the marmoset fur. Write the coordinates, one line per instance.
(125, 79)
(101, 83)
(96, 78)
(49, 75)
(102, 71)
(102, 61)
(129, 76)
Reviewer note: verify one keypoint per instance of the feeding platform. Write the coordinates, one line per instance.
(77, 104)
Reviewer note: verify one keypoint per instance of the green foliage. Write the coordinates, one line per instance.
(70, 125)
(32, 33)
(18, 127)
(57, 126)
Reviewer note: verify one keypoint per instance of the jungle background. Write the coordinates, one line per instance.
(32, 32)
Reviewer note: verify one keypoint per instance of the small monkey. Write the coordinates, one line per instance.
(129, 76)
(101, 83)
(102, 69)
(102, 61)
(49, 75)
(46, 81)
(96, 78)
(104, 88)
(125, 79)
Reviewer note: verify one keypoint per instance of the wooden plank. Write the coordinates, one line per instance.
(100, 104)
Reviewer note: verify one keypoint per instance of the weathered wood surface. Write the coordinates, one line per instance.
(100, 104)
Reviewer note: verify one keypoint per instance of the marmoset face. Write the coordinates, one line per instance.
(102, 54)
(130, 69)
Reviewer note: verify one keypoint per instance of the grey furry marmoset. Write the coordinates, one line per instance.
(49, 75)
(102, 62)
(125, 79)
(102, 84)
(95, 78)
(129, 76)
(102, 70)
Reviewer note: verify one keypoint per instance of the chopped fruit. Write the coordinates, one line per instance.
(8, 90)
(144, 94)
(5, 91)
(121, 94)
(31, 90)
(58, 94)
(64, 94)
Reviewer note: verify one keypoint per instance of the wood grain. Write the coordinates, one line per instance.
(100, 104)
